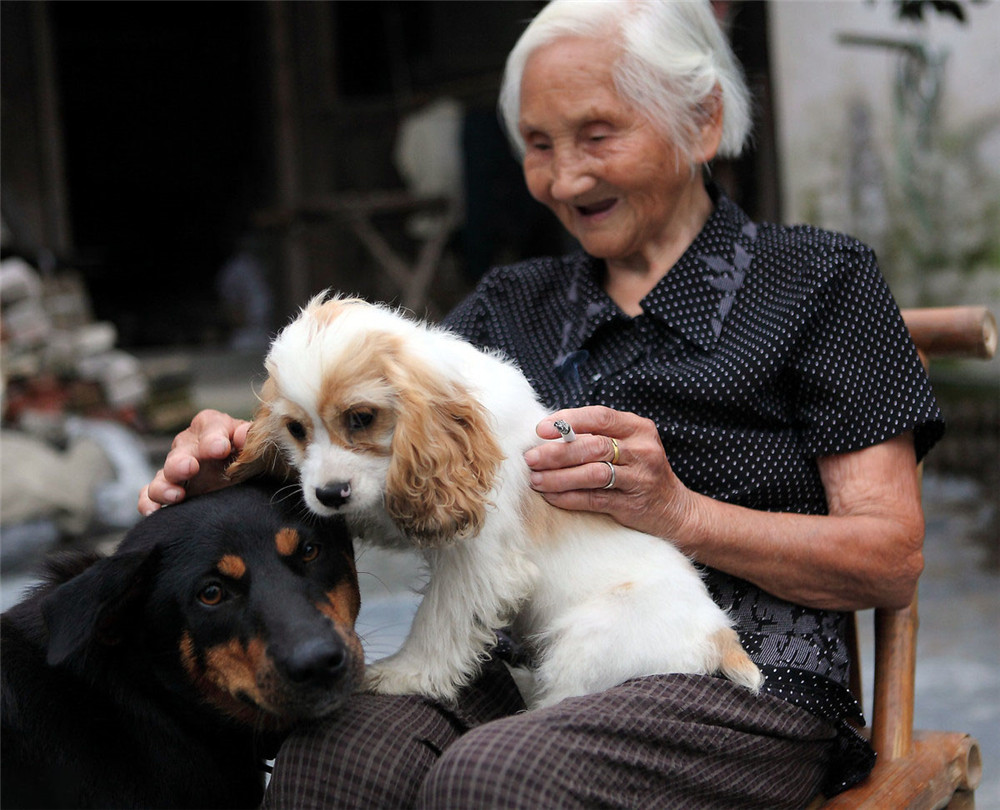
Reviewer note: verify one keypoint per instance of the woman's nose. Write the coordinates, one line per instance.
(571, 176)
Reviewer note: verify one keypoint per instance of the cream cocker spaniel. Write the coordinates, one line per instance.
(416, 437)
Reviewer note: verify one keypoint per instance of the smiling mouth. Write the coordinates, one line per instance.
(596, 208)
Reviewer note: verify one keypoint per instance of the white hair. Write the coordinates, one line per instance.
(674, 59)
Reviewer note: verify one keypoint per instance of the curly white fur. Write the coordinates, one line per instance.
(417, 437)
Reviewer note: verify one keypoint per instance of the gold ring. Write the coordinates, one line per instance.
(610, 483)
(614, 445)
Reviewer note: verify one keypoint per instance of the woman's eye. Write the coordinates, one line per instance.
(359, 420)
(212, 594)
(296, 430)
(311, 551)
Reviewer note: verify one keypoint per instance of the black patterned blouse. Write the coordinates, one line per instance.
(763, 348)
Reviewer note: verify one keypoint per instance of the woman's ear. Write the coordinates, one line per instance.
(710, 115)
(444, 460)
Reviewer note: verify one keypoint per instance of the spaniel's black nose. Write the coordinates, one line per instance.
(334, 494)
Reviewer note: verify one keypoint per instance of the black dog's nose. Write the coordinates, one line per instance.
(318, 660)
(335, 494)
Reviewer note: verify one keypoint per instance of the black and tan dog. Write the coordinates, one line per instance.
(165, 674)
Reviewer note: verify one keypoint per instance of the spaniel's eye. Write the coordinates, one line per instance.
(311, 551)
(297, 430)
(212, 594)
(361, 419)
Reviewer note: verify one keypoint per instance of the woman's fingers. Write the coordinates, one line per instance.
(197, 460)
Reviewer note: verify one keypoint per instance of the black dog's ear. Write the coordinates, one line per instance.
(91, 605)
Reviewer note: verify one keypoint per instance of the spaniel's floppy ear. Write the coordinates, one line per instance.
(261, 454)
(444, 460)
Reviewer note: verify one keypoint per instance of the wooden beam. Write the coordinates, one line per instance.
(287, 149)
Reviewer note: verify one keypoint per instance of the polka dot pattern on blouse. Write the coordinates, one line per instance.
(762, 349)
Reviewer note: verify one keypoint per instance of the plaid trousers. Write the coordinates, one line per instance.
(664, 741)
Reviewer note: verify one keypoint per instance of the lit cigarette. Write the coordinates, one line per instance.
(566, 430)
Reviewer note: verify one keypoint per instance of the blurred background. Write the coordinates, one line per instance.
(178, 178)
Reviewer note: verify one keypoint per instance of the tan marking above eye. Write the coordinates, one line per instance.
(287, 541)
(232, 566)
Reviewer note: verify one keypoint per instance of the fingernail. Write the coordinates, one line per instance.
(220, 447)
(531, 457)
(173, 495)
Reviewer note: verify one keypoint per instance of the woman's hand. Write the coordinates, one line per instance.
(866, 552)
(197, 460)
(644, 493)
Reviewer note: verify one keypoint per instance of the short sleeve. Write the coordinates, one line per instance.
(860, 378)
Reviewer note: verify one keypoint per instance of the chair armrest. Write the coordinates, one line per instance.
(953, 331)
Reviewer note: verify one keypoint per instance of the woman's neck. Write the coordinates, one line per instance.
(629, 279)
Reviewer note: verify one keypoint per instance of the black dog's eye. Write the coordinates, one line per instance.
(360, 419)
(212, 594)
(297, 430)
(310, 551)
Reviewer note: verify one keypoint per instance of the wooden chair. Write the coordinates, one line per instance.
(917, 769)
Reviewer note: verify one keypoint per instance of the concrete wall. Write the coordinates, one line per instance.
(936, 221)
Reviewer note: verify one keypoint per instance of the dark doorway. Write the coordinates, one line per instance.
(162, 113)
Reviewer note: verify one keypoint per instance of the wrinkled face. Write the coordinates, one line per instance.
(267, 615)
(613, 180)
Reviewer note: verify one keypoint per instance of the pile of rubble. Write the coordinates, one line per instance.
(55, 357)
(74, 410)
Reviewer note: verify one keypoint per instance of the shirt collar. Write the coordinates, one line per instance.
(696, 297)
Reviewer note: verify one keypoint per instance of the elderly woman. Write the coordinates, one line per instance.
(768, 409)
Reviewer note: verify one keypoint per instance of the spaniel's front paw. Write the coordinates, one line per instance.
(390, 677)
